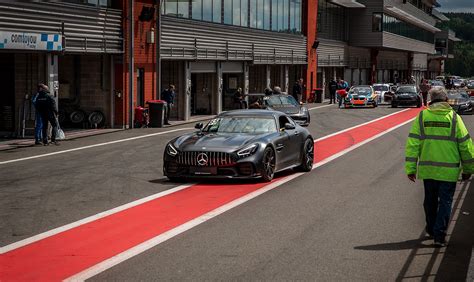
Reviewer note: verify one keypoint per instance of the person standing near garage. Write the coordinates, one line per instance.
(332, 91)
(168, 95)
(46, 106)
(438, 149)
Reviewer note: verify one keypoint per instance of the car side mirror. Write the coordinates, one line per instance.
(289, 126)
(199, 125)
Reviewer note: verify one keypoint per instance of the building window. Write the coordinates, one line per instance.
(396, 26)
(276, 15)
(376, 22)
(332, 21)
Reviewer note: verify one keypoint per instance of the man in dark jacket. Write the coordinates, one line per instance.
(332, 91)
(297, 90)
(168, 95)
(46, 106)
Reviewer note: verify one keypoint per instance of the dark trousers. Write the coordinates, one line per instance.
(45, 118)
(332, 96)
(425, 98)
(437, 205)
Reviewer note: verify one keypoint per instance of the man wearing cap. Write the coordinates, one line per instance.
(438, 149)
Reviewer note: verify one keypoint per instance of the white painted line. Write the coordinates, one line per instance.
(92, 146)
(115, 260)
(359, 125)
(319, 107)
(72, 225)
(109, 263)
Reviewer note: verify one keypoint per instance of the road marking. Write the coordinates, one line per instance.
(319, 107)
(92, 146)
(100, 215)
(82, 252)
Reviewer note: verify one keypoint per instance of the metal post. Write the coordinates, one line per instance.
(158, 51)
(131, 62)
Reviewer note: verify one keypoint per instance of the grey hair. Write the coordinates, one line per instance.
(277, 90)
(438, 94)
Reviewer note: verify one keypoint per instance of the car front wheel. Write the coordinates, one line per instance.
(308, 156)
(268, 164)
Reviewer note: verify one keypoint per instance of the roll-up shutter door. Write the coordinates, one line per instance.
(331, 53)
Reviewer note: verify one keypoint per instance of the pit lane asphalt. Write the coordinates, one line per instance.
(322, 224)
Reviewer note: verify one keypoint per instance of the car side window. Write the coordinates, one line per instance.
(282, 120)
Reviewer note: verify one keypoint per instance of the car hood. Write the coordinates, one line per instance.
(407, 94)
(286, 110)
(458, 101)
(220, 142)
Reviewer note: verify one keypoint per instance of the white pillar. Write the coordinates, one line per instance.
(187, 92)
(246, 81)
(323, 86)
(52, 75)
(220, 85)
(268, 76)
(286, 77)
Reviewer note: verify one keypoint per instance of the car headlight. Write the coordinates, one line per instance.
(171, 150)
(247, 151)
(303, 110)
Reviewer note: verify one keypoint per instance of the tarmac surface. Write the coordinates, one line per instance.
(354, 218)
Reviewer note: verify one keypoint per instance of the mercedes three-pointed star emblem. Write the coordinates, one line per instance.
(202, 159)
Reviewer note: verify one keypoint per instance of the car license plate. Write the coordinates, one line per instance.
(359, 102)
(203, 170)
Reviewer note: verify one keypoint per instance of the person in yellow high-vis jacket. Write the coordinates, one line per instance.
(439, 148)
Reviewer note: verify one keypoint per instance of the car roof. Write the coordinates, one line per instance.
(252, 112)
(366, 86)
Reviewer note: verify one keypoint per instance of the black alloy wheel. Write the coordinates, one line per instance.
(268, 164)
(308, 156)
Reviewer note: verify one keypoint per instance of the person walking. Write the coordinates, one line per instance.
(168, 96)
(46, 106)
(297, 91)
(439, 148)
(341, 85)
(38, 122)
(332, 91)
(424, 88)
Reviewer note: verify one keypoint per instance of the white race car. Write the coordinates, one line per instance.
(381, 89)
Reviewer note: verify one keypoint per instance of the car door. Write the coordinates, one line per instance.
(288, 144)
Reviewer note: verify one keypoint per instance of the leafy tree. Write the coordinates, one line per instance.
(463, 62)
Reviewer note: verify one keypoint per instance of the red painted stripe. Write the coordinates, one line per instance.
(70, 252)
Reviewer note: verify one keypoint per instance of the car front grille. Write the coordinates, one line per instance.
(213, 158)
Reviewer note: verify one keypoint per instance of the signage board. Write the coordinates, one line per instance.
(30, 41)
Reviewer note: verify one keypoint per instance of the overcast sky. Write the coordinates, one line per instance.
(456, 6)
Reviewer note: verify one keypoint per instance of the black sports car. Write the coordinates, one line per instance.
(407, 95)
(288, 105)
(460, 101)
(240, 144)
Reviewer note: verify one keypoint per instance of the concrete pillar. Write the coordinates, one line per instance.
(52, 75)
(268, 76)
(220, 86)
(323, 86)
(246, 81)
(286, 78)
(187, 91)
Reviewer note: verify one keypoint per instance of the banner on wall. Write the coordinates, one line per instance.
(30, 41)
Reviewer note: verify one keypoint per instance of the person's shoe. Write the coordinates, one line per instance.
(56, 143)
(439, 244)
(167, 123)
(38, 143)
(45, 143)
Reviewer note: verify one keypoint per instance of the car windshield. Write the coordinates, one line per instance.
(406, 89)
(361, 91)
(458, 95)
(280, 101)
(380, 88)
(437, 83)
(241, 124)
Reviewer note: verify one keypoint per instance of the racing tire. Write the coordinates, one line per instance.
(175, 179)
(268, 164)
(375, 104)
(394, 105)
(77, 116)
(96, 118)
(308, 156)
(419, 104)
